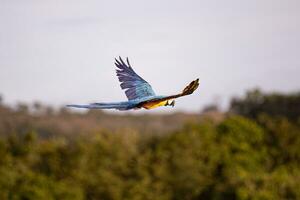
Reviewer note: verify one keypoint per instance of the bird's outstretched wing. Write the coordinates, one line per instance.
(186, 91)
(190, 88)
(135, 86)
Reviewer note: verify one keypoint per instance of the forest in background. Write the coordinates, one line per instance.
(251, 151)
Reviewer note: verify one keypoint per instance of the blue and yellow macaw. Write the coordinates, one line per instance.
(138, 91)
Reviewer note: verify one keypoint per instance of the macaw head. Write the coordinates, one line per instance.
(170, 102)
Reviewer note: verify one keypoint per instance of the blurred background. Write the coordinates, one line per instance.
(236, 137)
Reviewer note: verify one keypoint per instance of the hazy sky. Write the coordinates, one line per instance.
(62, 51)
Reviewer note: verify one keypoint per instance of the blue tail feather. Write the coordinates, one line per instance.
(118, 106)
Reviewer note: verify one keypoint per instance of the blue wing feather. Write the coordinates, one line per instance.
(135, 87)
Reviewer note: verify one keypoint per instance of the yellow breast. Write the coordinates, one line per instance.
(155, 104)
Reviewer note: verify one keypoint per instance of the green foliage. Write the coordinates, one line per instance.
(256, 102)
(232, 158)
(236, 159)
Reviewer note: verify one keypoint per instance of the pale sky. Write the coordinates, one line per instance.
(62, 51)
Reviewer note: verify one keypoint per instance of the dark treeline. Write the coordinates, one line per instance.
(250, 152)
(275, 104)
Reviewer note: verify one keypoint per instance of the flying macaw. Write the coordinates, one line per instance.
(138, 91)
